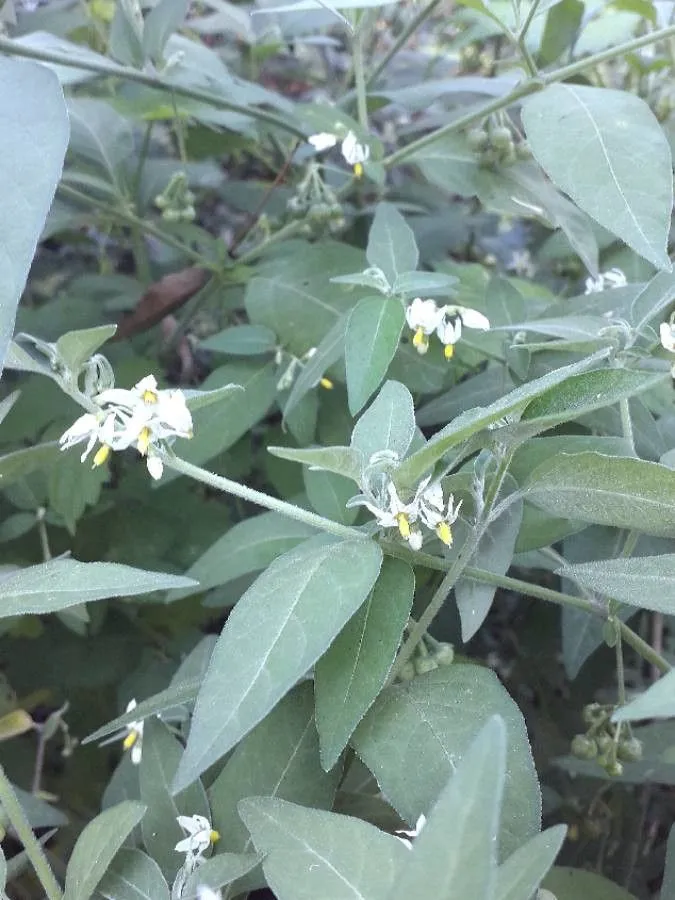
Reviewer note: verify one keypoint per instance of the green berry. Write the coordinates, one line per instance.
(523, 150)
(477, 138)
(630, 749)
(604, 742)
(500, 137)
(592, 714)
(584, 747)
(614, 768)
(444, 654)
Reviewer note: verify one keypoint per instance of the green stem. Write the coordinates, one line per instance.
(620, 671)
(409, 29)
(360, 78)
(286, 231)
(528, 87)
(14, 812)
(134, 222)
(627, 424)
(221, 483)
(114, 70)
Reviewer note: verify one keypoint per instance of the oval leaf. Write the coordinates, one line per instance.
(588, 140)
(373, 332)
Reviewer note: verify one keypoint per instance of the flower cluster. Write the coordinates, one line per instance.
(144, 417)
(427, 506)
(134, 736)
(614, 278)
(424, 317)
(354, 152)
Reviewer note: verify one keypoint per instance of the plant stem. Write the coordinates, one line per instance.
(360, 77)
(286, 231)
(627, 424)
(134, 222)
(531, 86)
(409, 29)
(221, 483)
(114, 70)
(21, 825)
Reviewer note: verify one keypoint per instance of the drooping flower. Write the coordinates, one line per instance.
(353, 150)
(144, 417)
(614, 278)
(425, 317)
(134, 736)
(200, 836)
(436, 516)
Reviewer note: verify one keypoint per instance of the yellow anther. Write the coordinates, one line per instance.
(420, 341)
(444, 532)
(358, 170)
(150, 397)
(130, 740)
(327, 384)
(403, 525)
(101, 455)
(449, 351)
(214, 836)
(143, 441)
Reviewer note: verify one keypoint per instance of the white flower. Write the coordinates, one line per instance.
(354, 152)
(413, 833)
(433, 514)
(322, 141)
(205, 893)
(425, 316)
(614, 278)
(199, 838)
(391, 512)
(143, 416)
(667, 334)
(134, 737)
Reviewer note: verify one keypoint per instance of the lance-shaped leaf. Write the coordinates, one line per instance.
(279, 628)
(387, 424)
(391, 243)
(372, 337)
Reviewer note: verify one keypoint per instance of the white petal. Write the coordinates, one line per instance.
(131, 705)
(424, 314)
(353, 151)
(137, 752)
(205, 893)
(155, 466)
(415, 540)
(449, 331)
(117, 397)
(79, 431)
(471, 318)
(184, 846)
(322, 141)
(149, 383)
(667, 334)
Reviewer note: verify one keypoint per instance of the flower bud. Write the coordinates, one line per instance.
(500, 137)
(614, 768)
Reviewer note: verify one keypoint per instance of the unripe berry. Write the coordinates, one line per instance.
(614, 768)
(477, 138)
(630, 749)
(584, 747)
(500, 137)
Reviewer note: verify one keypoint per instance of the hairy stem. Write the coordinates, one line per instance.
(14, 812)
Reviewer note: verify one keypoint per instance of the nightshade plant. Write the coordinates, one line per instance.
(338, 447)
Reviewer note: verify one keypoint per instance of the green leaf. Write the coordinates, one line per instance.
(329, 351)
(75, 347)
(279, 758)
(571, 884)
(350, 675)
(197, 400)
(668, 884)
(370, 278)
(72, 487)
(424, 284)
(455, 854)
(242, 340)
(647, 582)
(277, 630)
(373, 333)
(293, 295)
(607, 490)
(216, 428)
(562, 27)
(347, 461)
(391, 243)
(387, 424)
(450, 164)
(587, 140)
(32, 145)
(22, 462)
(96, 847)
(341, 858)
(657, 702)
(61, 583)
(248, 546)
(479, 418)
(218, 871)
(653, 299)
(102, 138)
(161, 832)
(494, 554)
(328, 493)
(520, 876)
(414, 736)
(125, 41)
(160, 23)
(132, 875)
(176, 694)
